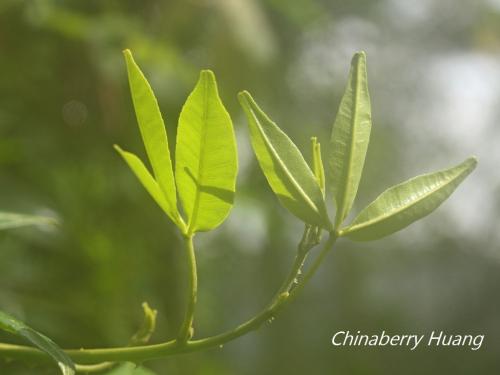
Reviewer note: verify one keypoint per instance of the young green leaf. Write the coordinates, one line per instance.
(147, 328)
(42, 342)
(150, 184)
(401, 205)
(318, 168)
(286, 171)
(205, 157)
(9, 220)
(153, 134)
(349, 140)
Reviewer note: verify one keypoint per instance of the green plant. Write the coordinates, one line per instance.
(204, 180)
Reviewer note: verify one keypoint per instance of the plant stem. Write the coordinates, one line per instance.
(314, 266)
(302, 252)
(147, 352)
(186, 331)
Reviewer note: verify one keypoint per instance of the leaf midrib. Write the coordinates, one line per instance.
(196, 205)
(352, 143)
(381, 218)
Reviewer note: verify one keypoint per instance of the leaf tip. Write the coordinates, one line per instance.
(118, 148)
(121, 151)
(469, 164)
(130, 62)
(207, 74)
(129, 59)
(245, 100)
(472, 160)
(244, 95)
(359, 60)
(316, 146)
(360, 55)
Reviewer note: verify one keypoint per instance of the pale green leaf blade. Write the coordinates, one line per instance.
(9, 220)
(149, 183)
(153, 132)
(282, 163)
(206, 161)
(401, 205)
(42, 342)
(350, 137)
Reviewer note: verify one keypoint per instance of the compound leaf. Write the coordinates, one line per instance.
(286, 171)
(401, 205)
(12, 325)
(153, 134)
(206, 161)
(349, 140)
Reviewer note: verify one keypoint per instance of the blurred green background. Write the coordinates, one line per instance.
(434, 72)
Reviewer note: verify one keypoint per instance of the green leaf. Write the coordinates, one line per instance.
(12, 325)
(149, 183)
(153, 134)
(319, 171)
(407, 202)
(286, 171)
(349, 140)
(205, 157)
(9, 220)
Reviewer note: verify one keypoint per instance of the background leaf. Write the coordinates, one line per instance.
(350, 137)
(12, 325)
(206, 161)
(153, 133)
(10, 220)
(401, 205)
(287, 172)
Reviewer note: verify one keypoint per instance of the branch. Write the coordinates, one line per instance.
(142, 353)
